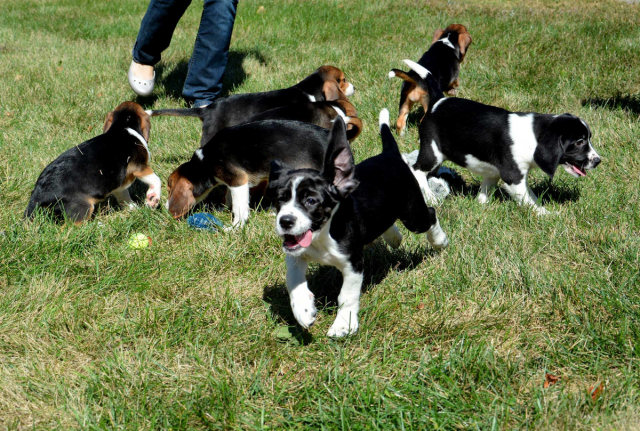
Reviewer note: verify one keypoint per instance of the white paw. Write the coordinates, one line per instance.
(437, 238)
(153, 199)
(131, 205)
(346, 323)
(541, 211)
(482, 198)
(439, 187)
(304, 308)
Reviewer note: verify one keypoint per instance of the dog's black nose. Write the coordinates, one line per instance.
(596, 161)
(287, 221)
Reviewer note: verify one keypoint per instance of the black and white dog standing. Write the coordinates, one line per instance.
(328, 217)
(497, 144)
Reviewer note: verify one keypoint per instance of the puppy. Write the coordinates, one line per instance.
(442, 61)
(497, 144)
(326, 83)
(86, 174)
(239, 157)
(322, 114)
(328, 217)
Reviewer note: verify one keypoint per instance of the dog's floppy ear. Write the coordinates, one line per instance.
(180, 199)
(464, 40)
(339, 168)
(549, 150)
(145, 125)
(437, 35)
(331, 90)
(108, 121)
(548, 158)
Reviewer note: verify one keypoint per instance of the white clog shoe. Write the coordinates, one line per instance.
(142, 87)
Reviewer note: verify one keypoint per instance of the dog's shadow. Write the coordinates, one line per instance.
(172, 77)
(546, 190)
(325, 282)
(630, 103)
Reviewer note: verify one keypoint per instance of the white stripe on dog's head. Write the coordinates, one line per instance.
(199, 154)
(302, 222)
(447, 42)
(420, 70)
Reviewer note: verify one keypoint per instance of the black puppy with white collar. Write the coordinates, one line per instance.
(325, 84)
(105, 165)
(329, 216)
(501, 145)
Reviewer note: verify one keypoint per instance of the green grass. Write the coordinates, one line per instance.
(182, 335)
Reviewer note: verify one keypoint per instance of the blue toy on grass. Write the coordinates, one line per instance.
(204, 221)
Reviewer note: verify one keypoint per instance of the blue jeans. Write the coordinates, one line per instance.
(210, 52)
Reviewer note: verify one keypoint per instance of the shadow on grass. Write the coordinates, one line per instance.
(173, 78)
(325, 281)
(629, 103)
(547, 191)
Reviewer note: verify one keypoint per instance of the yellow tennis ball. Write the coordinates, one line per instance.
(138, 241)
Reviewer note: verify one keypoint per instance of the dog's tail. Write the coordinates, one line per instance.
(188, 112)
(389, 144)
(427, 81)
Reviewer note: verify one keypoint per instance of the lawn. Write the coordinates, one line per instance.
(191, 333)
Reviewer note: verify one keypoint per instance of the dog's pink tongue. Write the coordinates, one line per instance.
(305, 239)
(579, 171)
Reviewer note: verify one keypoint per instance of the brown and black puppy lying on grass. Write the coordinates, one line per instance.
(88, 173)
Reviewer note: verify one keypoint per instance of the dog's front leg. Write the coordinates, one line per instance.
(148, 177)
(239, 204)
(301, 298)
(123, 198)
(346, 322)
(522, 194)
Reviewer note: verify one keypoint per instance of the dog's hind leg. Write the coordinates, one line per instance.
(487, 184)
(392, 236)
(78, 210)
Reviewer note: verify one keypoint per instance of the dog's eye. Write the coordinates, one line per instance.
(580, 142)
(310, 201)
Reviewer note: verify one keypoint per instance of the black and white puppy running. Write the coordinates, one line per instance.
(500, 145)
(328, 217)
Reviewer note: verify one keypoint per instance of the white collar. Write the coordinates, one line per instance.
(137, 135)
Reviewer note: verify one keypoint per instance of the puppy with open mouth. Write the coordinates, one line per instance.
(329, 216)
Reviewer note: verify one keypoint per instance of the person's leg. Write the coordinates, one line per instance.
(156, 29)
(210, 53)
